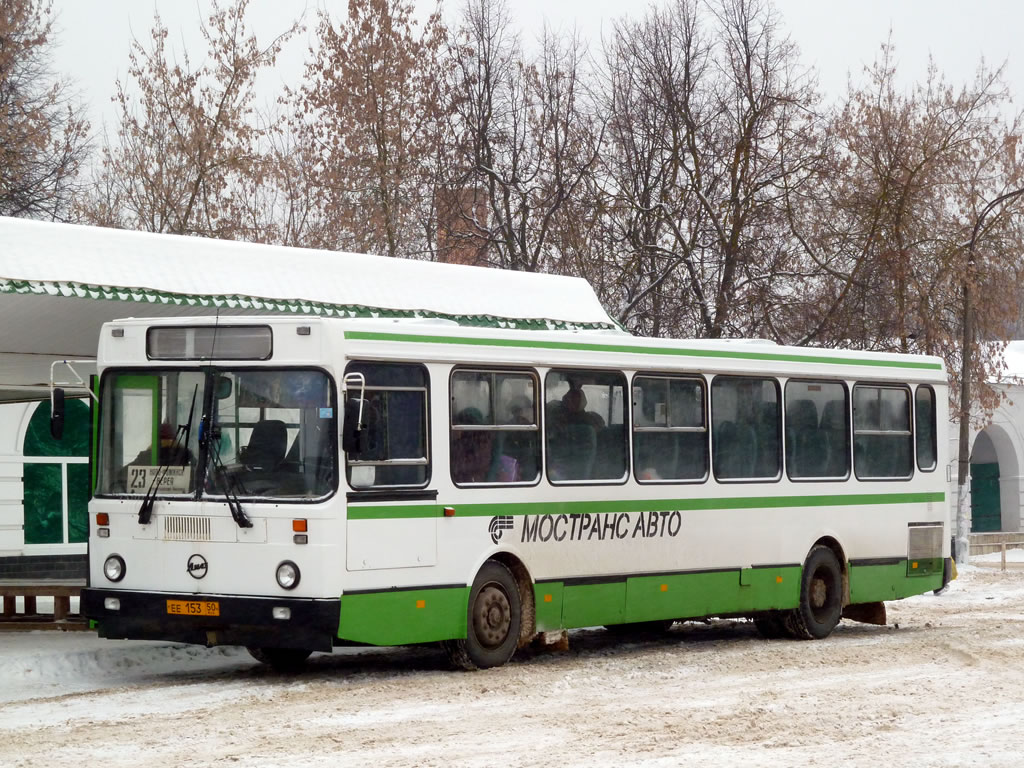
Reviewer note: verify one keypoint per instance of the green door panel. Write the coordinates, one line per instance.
(985, 503)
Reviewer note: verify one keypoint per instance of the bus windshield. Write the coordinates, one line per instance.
(271, 433)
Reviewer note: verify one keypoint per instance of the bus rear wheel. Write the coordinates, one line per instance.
(821, 597)
(494, 618)
(289, 660)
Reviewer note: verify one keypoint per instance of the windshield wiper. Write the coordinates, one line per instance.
(184, 430)
(227, 484)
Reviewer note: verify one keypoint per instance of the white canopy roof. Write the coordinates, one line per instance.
(60, 282)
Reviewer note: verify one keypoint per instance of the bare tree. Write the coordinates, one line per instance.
(889, 226)
(187, 137)
(43, 130)
(523, 139)
(369, 114)
(712, 119)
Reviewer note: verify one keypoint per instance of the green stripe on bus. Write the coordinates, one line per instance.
(638, 350)
(378, 512)
(392, 617)
(404, 616)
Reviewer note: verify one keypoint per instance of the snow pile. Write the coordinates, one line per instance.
(39, 664)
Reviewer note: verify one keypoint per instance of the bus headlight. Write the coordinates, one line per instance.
(288, 575)
(113, 568)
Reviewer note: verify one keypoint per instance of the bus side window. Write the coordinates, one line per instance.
(745, 433)
(882, 439)
(670, 435)
(397, 451)
(585, 426)
(924, 423)
(817, 430)
(494, 427)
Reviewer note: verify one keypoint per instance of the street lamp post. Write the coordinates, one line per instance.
(963, 449)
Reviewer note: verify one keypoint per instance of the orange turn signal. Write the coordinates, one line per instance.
(102, 518)
(299, 526)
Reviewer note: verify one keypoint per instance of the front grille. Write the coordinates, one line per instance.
(186, 528)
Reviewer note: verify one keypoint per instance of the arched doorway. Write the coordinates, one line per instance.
(995, 477)
(56, 477)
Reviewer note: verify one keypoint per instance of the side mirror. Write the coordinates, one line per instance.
(353, 432)
(222, 388)
(57, 413)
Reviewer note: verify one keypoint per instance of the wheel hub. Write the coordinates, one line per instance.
(492, 616)
(819, 593)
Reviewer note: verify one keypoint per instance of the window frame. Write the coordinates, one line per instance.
(626, 423)
(910, 432)
(934, 430)
(848, 416)
(537, 428)
(427, 461)
(203, 496)
(214, 330)
(706, 429)
(780, 442)
(198, 493)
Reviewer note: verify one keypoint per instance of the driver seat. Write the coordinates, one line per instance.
(267, 445)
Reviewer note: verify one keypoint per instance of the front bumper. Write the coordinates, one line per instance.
(249, 621)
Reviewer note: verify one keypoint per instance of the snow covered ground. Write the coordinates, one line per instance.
(941, 685)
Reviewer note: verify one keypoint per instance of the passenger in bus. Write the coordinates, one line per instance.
(475, 456)
(574, 408)
(170, 451)
(572, 437)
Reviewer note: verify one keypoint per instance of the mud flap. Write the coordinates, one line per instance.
(866, 613)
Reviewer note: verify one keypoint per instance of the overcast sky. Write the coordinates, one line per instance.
(835, 36)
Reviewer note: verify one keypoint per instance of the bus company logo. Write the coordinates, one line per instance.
(197, 566)
(498, 525)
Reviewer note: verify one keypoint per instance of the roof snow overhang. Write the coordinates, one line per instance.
(60, 282)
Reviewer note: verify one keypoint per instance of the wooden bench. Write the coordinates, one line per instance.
(61, 592)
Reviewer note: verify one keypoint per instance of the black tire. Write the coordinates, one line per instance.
(772, 625)
(821, 597)
(288, 660)
(493, 620)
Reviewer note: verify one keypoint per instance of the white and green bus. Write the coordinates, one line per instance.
(295, 483)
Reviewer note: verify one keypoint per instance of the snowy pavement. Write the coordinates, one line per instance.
(941, 685)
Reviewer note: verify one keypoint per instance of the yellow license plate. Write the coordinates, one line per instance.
(193, 608)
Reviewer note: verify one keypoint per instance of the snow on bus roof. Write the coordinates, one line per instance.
(91, 262)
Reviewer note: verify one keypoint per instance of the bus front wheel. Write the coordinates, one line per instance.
(493, 621)
(821, 597)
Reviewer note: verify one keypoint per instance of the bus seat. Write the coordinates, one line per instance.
(768, 462)
(735, 450)
(610, 458)
(267, 445)
(895, 447)
(867, 449)
(572, 449)
(657, 455)
(806, 446)
(833, 428)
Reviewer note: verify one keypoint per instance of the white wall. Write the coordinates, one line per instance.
(13, 421)
(1006, 435)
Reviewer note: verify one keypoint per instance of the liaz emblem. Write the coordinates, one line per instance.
(197, 566)
(498, 525)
